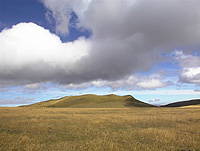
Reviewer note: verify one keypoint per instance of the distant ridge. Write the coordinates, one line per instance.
(93, 101)
(183, 103)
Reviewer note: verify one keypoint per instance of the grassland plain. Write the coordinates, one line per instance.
(98, 129)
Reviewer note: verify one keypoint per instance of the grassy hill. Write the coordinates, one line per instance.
(184, 103)
(93, 101)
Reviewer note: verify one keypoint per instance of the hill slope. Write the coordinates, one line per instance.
(93, 101)
(183, 103)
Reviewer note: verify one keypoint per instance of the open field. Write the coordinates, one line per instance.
(123, 129)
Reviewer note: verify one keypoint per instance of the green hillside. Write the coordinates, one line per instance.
(93, 101)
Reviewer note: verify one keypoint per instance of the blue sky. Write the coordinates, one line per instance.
(147, 49)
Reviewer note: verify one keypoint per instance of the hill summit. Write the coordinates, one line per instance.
(93, 101)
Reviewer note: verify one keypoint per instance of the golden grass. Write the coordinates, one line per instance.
(117, 129)
(190, 106)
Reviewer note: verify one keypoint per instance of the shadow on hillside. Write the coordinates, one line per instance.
(135, 103)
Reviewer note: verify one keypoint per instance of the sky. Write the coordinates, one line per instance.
(52, 48)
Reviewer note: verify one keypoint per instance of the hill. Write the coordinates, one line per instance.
(93, 101)
(183, 103)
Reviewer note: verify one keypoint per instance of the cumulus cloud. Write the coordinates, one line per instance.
(186, 60)
(128, 36)
(153, 81)
(30, 53)
(190, 75)
(130, 83)
(190, 67)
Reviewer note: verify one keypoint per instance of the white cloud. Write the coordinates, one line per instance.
(133, 82)
(61, 11)
(190, 67)
(126, 83)
(190, 75)
(31, 53)
(28, 42)
(154, 100)
(151, 84)
(186, 60)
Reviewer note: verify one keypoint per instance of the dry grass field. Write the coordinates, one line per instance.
(117, 129)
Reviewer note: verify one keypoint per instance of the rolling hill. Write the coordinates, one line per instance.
(183, 103)
(93, 101)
